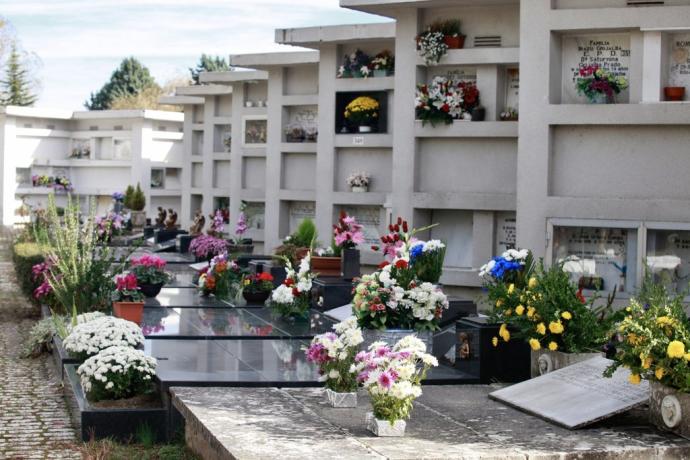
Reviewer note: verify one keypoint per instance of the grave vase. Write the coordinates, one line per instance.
(600, 98)
(545, 361)
(349, 263)
(384, 428)
(669, 409)
(341, 400)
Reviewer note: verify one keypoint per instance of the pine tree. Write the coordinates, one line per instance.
(208, 63)
(130, 78)
(16, 87)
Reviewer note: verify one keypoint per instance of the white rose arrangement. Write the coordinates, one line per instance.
(292, 297)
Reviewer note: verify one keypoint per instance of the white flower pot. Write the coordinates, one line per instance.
(336, 399)
(359, 188)
(384, 428)
(365, 129)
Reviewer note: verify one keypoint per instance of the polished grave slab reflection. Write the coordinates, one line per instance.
(169, 257)
(182, 279)
(226, 323)
(183, 297)
(251, 363)
(232, 362)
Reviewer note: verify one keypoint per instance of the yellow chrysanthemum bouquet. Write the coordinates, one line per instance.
(362, 111)
(653, 341)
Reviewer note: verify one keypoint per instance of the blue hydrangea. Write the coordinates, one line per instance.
(416, 251)
(502, 266)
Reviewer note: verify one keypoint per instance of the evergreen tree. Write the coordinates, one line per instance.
(129, 79)
(208, 63)
(16, 88)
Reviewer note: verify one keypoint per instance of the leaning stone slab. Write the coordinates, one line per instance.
(577, 395)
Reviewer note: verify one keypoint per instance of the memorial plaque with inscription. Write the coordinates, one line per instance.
(512, 89)
(505, 236)
(370, 218)
(610, 52)
(679, 60)
(577, 395)
(300, 210)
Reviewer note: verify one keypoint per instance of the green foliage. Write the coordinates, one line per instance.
(130, 78)
(208, 63)
(16, 88)
(305, 235)
(138, 199)
(82, 275)
(429, 265)
(40, 336)
(25, 256)
(129, 196)
(145, 435)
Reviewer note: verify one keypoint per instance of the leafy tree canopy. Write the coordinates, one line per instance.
(130, 78)
(208, 63)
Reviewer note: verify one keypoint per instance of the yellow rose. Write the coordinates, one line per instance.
(553, 346)
(532, 283)
(687, 356)
(566, 315)
(541, 329)
(676, 349)
(499, 302)
(508, 312)
(511, 288)
(519, 310)
(634, 379)
(659, 373)
(494, 341)
(534, 343)
(530, 311)
(556, 327)
(504, 333)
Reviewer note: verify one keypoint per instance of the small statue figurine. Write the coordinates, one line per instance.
(162, 214)
(464, 351)
(171, 222)
(198, 225)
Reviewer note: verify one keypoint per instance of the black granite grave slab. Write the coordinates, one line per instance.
(182, 297)
(169, 257)
(328, 293)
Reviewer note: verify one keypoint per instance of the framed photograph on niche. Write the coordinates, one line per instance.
(254, 130)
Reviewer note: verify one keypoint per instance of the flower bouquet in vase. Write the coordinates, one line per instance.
(393, 376)
(383, 64)
(347, 235)
(334, 353)
(150, 274)
(291, 299)
(359, 181)
(257, 288)
(221, 278)
(652, 343)
(598, 85)
(426, 259)
(128, 300)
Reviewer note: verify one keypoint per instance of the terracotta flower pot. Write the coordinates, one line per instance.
(674, 93)
(131, 311)
(454, 43)
(326, 266)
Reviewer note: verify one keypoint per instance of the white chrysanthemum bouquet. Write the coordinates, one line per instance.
(87, 339)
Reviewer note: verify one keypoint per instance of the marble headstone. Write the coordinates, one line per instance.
(577, 395)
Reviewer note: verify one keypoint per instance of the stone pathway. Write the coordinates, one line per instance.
(34, 422)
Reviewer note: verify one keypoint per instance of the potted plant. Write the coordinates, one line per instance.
(128, 300)
(383, 64)
(432, 46)
(311, 134)
(393, 302)
(356, 64)
(600, 86)
(108, 226)
(291, 299)
(222, 278)
(204, 247)
(470, 101)
(294, 133)
(652, 341)
(363, 112)
(325, 262)
(674, 93)
(150, 274)
(241, 245)
(256, 288)
(335, 353)
(392, 375)
(509, 114)
(118, 372)
(359, 181)
(543, 307)
(296, 245)
(347, 234)
(135, 201)
(451, 33)
(90, 337)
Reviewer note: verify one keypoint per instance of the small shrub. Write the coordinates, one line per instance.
(129, 195)
(39, 339)
(305, 234)
(25, 256)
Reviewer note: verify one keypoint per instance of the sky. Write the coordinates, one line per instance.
(81, 42)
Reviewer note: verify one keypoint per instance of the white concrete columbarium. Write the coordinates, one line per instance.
(98, 152)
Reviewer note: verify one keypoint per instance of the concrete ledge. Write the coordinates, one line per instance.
(447, 422)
